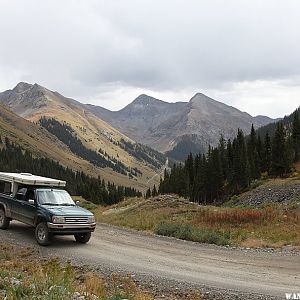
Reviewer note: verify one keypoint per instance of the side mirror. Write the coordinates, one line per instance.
(31, 201)
(77, 203)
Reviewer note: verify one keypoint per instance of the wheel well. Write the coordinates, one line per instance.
(39, 220)
(2, 207)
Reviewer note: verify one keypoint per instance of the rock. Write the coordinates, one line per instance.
(284, 193)
(15, 282)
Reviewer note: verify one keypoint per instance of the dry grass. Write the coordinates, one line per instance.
(265, 227)
(24, 276)
(94, 134)
(42, 144)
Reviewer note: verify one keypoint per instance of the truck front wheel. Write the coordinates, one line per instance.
(82, 238)
(4, 221)
(42, 234)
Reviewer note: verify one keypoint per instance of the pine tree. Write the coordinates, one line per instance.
(148, 193)
(259, 147)
(266, 154)
(15, 159)
(223, 157)
(216, 174)
(253, 157)
(280, 163)
(296, 136)
(190, 172)
(154, 191)
(241, 176)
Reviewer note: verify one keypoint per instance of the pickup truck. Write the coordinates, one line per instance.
(43, 204)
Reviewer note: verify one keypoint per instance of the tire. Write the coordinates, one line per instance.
(82, 238)
(42, 234)
(4, 221)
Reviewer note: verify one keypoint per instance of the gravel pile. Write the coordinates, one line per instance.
(285, 194)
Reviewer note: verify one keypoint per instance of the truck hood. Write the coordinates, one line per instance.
(67, 210)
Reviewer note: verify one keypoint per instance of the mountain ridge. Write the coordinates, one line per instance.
(92, 135)
(158, 124)
(163, 125)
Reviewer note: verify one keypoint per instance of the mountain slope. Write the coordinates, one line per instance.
(287, 122)
(120, 154)
(178, 128)
(38, 141)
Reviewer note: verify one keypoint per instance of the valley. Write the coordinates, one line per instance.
(123, 161)
(149, 150)
(243, 220)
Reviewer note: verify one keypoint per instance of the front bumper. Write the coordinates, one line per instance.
(70, 229)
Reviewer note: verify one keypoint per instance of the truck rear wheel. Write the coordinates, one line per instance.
(82, 238)
(42, 234)
(4, 221)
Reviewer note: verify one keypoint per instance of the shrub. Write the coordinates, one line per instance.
(235, 216)
(191, 233)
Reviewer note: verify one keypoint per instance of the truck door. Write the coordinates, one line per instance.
(24, 209)
(16, 204)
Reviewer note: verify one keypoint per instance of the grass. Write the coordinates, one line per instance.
(24, 276)
(240, 226)
(85, 204)
(192, 233)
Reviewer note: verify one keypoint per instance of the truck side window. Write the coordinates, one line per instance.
(5, 187)
(29, 195)
(21, 193)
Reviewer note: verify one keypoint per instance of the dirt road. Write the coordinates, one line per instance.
(246, 271)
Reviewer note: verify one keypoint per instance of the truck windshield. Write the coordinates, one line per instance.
(54, 197)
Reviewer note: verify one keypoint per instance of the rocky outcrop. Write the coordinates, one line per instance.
(172, 127)
(279, 192)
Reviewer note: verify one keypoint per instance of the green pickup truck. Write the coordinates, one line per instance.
(43, 203)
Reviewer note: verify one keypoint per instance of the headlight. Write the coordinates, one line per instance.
(58, 219)
(91, 219)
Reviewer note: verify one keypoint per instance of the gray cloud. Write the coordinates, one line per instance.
(94, 50)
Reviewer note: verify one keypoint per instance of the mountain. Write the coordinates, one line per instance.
(95, 143)
(38, 141)
(178, 128)
(287, 121)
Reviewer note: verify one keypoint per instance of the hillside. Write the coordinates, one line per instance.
(122, 160)
(171, 215)
(179, 128)
(287, 122)
(38, 141)
(277, 192)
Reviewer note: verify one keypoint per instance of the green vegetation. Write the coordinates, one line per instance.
(187, 144)
(85, 203)
(171, 215)
(14, 159)
(287, 122)
(191, 233)
(143, 153)
(233, 166)
(21, 279)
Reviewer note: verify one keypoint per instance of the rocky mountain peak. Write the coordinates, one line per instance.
(144, 99)
(22, 87)
(200, 98)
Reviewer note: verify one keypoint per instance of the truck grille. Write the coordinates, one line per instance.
(76, 220)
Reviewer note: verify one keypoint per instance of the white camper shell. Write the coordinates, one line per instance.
(15, 179)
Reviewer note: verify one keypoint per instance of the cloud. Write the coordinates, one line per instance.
(105, 51)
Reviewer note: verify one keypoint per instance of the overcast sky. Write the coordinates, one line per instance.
(243, 53)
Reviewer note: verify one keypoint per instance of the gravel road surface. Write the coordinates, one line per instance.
(247, 274)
